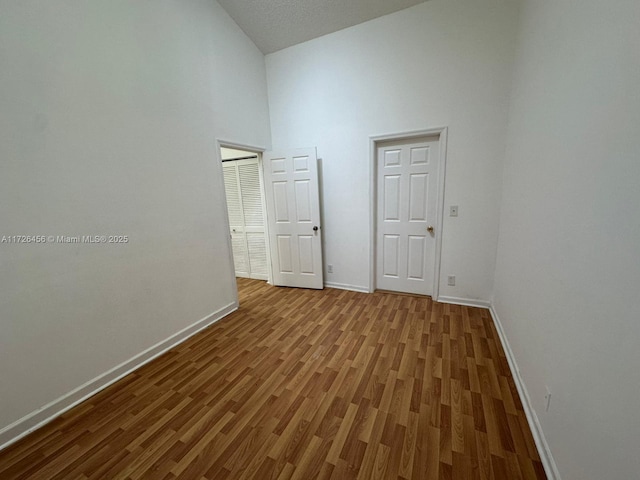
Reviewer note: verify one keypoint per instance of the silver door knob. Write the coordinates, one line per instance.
(430, 229)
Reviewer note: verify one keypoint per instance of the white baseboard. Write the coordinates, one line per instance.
(57, 407)
(346, 286)
(467, 302)
(544, 451)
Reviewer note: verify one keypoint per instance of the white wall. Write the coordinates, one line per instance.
(109, 112)
(441, 63)
(568, 269)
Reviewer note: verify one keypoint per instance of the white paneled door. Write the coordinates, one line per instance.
(293, 210)
(407, 181)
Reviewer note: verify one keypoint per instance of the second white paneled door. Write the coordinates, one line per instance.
(407, 181)
(293, 208)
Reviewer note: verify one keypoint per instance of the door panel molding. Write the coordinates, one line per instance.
(420, 157)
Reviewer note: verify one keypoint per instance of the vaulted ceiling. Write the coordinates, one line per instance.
(277, 24)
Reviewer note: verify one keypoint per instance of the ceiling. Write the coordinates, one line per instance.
(277, 24)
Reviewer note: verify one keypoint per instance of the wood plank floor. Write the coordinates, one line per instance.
(304, 384)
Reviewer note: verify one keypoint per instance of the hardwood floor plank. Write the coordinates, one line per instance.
(380, 463)
(303, 384)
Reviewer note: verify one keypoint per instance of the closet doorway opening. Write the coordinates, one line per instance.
(244, 191)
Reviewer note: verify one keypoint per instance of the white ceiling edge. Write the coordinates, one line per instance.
(277, 24)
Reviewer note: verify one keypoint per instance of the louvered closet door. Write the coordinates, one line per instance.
(236, 219)
(246, 217)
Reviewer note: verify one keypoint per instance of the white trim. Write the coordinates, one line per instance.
(239, 146)
(263, 199)
(442, 165)
(40, 417)
(549, 464)
(346, 286)
(467, 302)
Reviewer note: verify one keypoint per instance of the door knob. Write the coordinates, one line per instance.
(430, 229)
(315, 228)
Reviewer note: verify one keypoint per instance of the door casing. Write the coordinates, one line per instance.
(374, 140)
(258, 151)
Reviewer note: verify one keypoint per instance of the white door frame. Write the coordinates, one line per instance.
(374, 140)
(258, 151)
